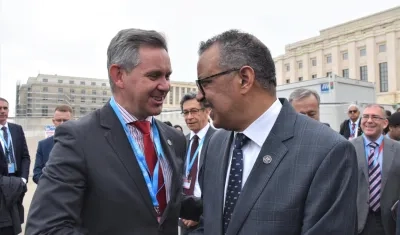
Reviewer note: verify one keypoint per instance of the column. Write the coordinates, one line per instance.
(320, 64)
(392, 61)
(336, 61)
(306, 67)
(371, 62)
(353, 61)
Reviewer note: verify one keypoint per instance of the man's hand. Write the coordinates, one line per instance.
(189, 223)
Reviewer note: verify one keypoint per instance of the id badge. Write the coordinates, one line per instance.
(186, 183)
(11, 168)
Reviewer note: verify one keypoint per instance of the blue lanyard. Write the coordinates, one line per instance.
(8, 145)
(189, 163)
(152, 184)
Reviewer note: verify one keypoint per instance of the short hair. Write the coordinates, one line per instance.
(388, 113)
(353, 105)
(302, 93)
(377, 106)
(238, 49)
(178, 126)
(192, 96)
(168, 123)
(124, 48)
(63, 108)
(4, 100)
(394, 120)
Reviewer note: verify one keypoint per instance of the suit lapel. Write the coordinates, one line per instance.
(361, 156)
(387, 160)
(14, 142)
(118, 141)
(261, 173)
(207, 137)
(170, 155)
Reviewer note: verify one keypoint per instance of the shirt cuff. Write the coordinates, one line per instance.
(24, 180)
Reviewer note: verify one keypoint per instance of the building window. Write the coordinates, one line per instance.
(93, 100)
(300, 64)
(287, 80)
(345, 73)
(313, 62)
(363, 52)
(93, 92)
(328, 74)
(45, 110)
(313, 76)
(93, 83)
(60, 90)
(72, 91)
(328, 59)
(287, 67)
(383, 77)
(103, 84)
(71, 82)
(345, 55)
(300, 79)
(83, 91)
(82, 110)
(45, 89)
(60, 81)
(104, 92)
(82, 82)
(83, 100)
(45, 80)
(382, 48)
(363, 73)
(45, 97)
(104, 100)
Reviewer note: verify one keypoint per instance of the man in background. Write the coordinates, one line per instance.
(62, 114)
(351, 128)
(394, 126)
(196, 115)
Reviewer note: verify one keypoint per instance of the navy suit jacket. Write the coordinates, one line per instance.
(398, 220)
(42, 156)
(21, 152)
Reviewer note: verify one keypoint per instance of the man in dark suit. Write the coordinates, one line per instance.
(378, 177)
(272, 170)
(351, 128)
(117, 170)
(62, 114)
(196, 115)
(14, 162)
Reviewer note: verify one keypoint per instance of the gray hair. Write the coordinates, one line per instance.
(376, 106)
(302, 93)
(192, 96)
(353, 105)
(124, 48)
(238, 49)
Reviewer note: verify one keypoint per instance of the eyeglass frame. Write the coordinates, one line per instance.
(373, 117)
(191, 111)
(200, 82)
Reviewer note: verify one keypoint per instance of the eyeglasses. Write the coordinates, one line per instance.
(353, 111)
(201, 83)
(374, 118)
(186, 113)
(61, 120)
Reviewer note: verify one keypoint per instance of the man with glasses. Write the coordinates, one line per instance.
(351, 128)
(272, 170)
(62, 114)
(196, 115)
(378, 178)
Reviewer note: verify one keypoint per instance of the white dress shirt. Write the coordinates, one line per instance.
(201, 134)
(1, 139)
(257, 132)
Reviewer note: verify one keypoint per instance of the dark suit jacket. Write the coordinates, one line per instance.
(42, 156)
(21, 153)
(345, 129)
(309, 187)
(398, 220)
(390, 186)
(92, 183)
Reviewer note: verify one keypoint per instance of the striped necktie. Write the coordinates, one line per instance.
(374, 171)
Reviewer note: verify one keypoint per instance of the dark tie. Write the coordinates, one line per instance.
(5, 133)
(151, 159)
(235, 179)
(374, 172)
(8, 152)
(353, 130)
(193, 171)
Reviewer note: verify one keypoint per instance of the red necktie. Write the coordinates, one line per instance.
(151, 159)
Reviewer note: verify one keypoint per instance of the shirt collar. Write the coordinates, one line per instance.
(378, 141)
(202, 133)
(6, 125)
(356, 122)
(129, 118)
(265, 122)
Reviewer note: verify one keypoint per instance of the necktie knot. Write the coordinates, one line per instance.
(240, 140)
(354, 125)
(4, 129)
(142, 126)
(373, 145)
(195, 138)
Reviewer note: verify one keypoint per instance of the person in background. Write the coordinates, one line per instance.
(14, 173)
(62, 113)
(351, 128)
(307, 102)
(394, 127)
(388, 114)
(179, 128)
(168, 123)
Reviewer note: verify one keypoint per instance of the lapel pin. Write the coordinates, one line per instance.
(267, 159)
(169, 142)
